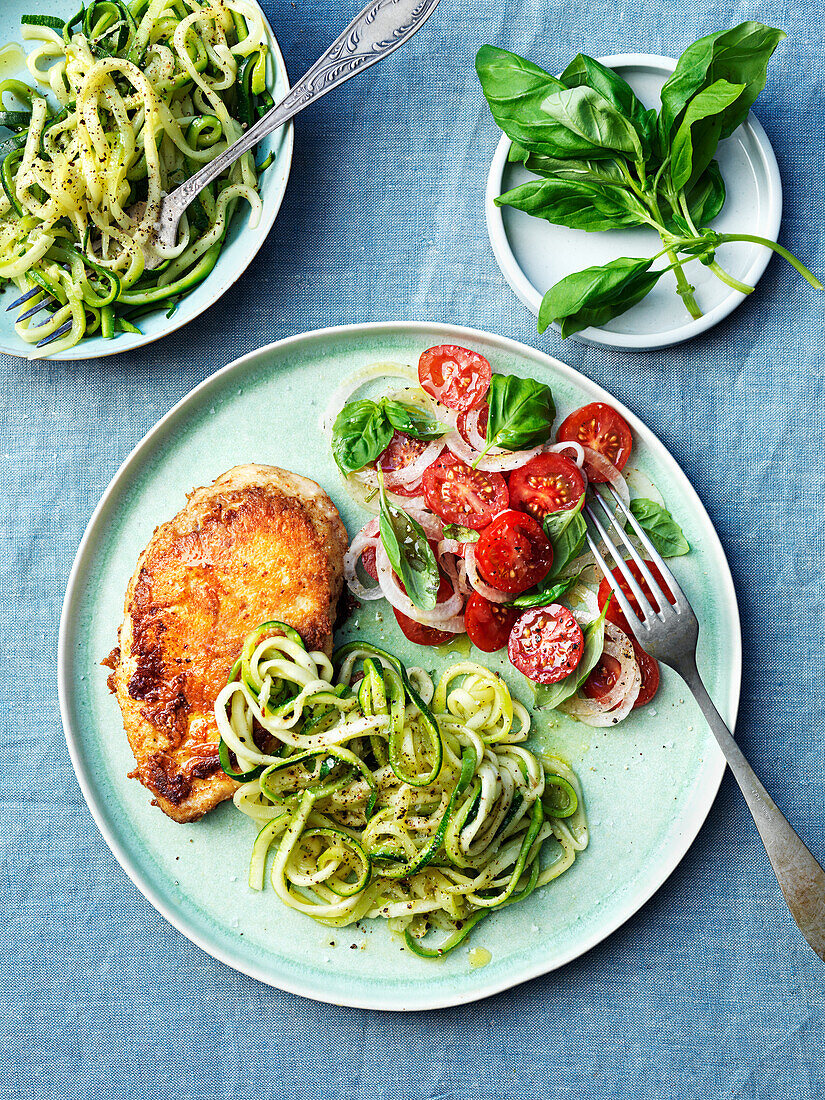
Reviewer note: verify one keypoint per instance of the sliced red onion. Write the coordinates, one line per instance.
(609, 471)
(433, 526)
(366, 481)
(408, 475)
(446, 616)
(357, 379)
(471, 429)
(494, 595)
(618, 703)
(366, 537)
(452, 562)
(570, 445)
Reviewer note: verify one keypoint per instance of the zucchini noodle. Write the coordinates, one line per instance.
(385, 795)
(126, 102)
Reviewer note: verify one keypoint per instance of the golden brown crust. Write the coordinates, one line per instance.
(258, 544)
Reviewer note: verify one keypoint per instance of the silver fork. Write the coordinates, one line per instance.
(374, 34)
(669, 632)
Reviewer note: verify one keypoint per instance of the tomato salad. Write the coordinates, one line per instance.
(479, 524)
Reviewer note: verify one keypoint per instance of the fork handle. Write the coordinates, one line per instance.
(374, 33)
(800, 876)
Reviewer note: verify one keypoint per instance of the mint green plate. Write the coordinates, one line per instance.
(648, 784)
(242, 242)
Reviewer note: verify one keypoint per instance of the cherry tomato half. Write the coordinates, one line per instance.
(488, 624)
(649, 668)
(547, 483)
(614, 612)
(401, 452)
(546, 644)
(513, 553)
(462, 495)
(601, 428)
(456, 376)
(368, 562)
(602, 679)
(426, 635)
(604, 676)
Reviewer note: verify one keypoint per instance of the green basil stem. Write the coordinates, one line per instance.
(730, 280)
(714, 265)
(683, 287)
(809, 276)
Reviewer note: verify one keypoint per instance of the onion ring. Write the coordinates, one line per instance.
(494, 595)
(446, 615)
(618, 703)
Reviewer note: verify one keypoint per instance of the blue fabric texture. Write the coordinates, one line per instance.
(709, 991)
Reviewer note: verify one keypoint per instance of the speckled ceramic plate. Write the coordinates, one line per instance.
(648, 784)
(242, 242)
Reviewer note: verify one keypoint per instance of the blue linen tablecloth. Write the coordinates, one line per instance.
(709, 991)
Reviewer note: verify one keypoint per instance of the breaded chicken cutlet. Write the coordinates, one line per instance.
(258, 544)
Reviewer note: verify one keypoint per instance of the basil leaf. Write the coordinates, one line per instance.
(584, 70)
(410, 554)
(522, 412)
(514, 89)
(460, 534)
(517, 154)
(567, 532)
(575, 205)
(556, 523)
(660, 526)
(549, 696)
(739, 55)
(705, 199)
(411, 420)
(597, 294)
(544, 593)
(698, 135)
(602, 173)
(581, 122)
(539, 113)
(360, 434)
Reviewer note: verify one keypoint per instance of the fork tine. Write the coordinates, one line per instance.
(630, 580)
(35, 309)
(681, 603)
(25, 297)
(638, 627)
(64, 328)
(654, 586)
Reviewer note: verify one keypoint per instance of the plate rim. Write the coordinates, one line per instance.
(530, 297)
(110, 347)
(73, 593)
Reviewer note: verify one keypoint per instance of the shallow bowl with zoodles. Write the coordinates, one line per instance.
(103, 112)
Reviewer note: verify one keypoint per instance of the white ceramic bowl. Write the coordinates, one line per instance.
(241, 245)
(533, 254)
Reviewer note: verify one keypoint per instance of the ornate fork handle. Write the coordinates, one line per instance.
(374, 34)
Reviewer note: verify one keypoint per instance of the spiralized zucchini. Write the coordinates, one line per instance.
(385, 795)
(127, 101)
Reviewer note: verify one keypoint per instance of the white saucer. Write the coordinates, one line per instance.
(533, 254)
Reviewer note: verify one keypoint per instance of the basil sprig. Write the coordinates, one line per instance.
(660, 526)
(363, 429)
(604, 161)
(521, 415)
(409, 552)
